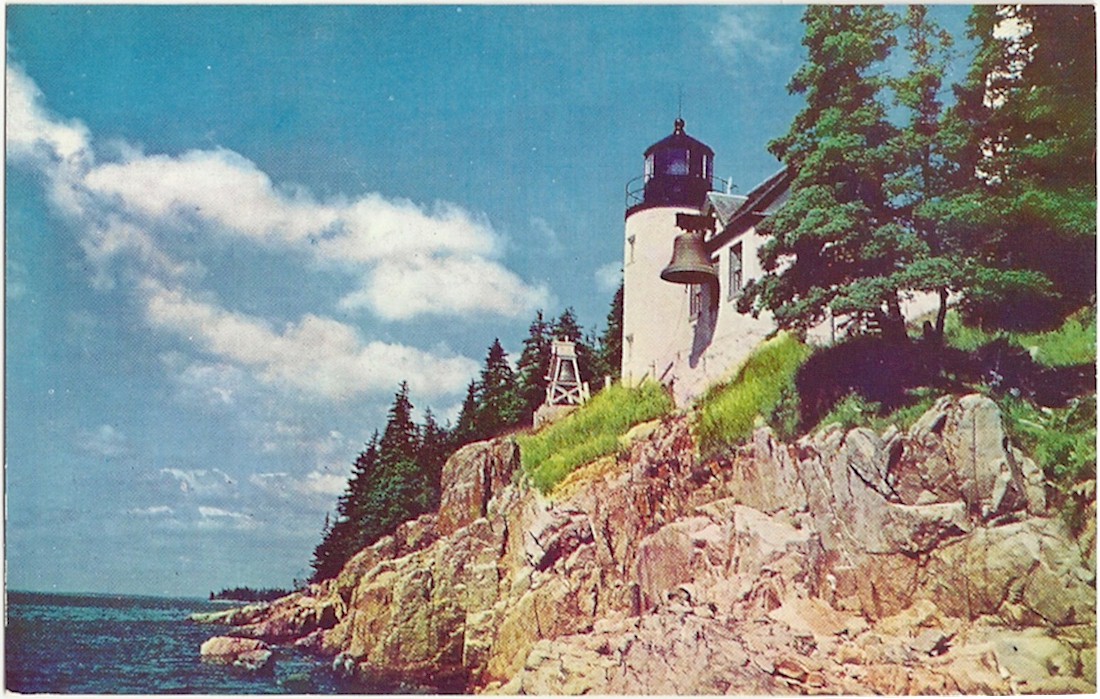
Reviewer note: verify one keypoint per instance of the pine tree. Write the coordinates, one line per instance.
(435, 447)
(923, 174)
(532, 367)
(566, 327)
(838, 229)
(1023, 131)
(610, 347)
(466, 429)
(498, 403)
(400, 440)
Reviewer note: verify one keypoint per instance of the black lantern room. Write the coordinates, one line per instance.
(679, 171)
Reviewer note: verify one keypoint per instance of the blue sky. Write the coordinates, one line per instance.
(231, 233)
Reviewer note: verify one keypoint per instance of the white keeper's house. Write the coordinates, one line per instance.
(689, 249)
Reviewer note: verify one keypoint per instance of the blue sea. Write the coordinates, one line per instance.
(106, 644)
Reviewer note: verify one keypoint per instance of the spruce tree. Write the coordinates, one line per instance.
(924, 166)
(400, 439)
(466, 429)
(346, 536)
(610, 347)
(498, 403)
(435, 447)
(1023, 133)
(838, 233)
(566, 327)
(532, 367)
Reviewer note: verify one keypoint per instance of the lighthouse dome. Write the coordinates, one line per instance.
(679, 171)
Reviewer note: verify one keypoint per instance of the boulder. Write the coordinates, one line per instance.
(245, 653)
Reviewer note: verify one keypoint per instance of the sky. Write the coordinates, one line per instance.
(231, 232)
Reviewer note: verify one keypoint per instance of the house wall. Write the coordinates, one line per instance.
(661, 338)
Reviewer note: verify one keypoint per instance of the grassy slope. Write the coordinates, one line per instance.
(728, 412)
(590, 432)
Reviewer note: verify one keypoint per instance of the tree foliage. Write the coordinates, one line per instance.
(836, 245)
(991, 202)
(1024, 132)
(394, 479)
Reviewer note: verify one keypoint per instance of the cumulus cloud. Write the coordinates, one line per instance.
(316, 356)
(31, 132)
(221, 193)
(413, 286)
(104, 441)
(409, 260)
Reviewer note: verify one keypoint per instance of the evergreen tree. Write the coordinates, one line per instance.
(839, 229)
(610, 352)
(435, 447)
(566, 327)
(466, 429)
(400, 440)
(498, 403)
(345, 536)
(924, 167)
(532, 367)
(1026, 119)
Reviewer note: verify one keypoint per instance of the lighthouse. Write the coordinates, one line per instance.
(664, 211)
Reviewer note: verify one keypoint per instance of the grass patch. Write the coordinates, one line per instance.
(1071, 344)
(1063, 443)
(590, 432)
(728, 413)
(855, 411)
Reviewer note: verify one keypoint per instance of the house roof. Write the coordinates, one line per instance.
(760, 202)
(723, 206)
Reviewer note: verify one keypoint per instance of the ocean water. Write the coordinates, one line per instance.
(102, 644)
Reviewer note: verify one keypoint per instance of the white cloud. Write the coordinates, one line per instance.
(316, 357)
(551, 241)
(741, 35)
(219, 187)
(31, 132)
(222, 193)
(216, 384)
(314, 483)
(609, 276)
(154, 511)
(218, 518)
(401, 289)
(204, 482)
(104, 441)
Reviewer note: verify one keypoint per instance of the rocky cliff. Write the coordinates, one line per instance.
(897, 563)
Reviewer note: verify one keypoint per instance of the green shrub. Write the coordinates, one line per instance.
(765, 383)
(1063, 443)
(590, 432)
(856, 411)
(1071, 344)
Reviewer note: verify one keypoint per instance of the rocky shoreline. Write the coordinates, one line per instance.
(922, 562)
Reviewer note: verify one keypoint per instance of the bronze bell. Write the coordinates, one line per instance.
(690, 262)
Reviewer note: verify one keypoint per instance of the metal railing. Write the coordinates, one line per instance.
(635, 188)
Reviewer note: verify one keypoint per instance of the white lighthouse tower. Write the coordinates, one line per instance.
(658, 316)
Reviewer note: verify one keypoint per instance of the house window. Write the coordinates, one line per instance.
(672, 161)
(649, 167)
(630, 249)
(695, 301)
(735, 281)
